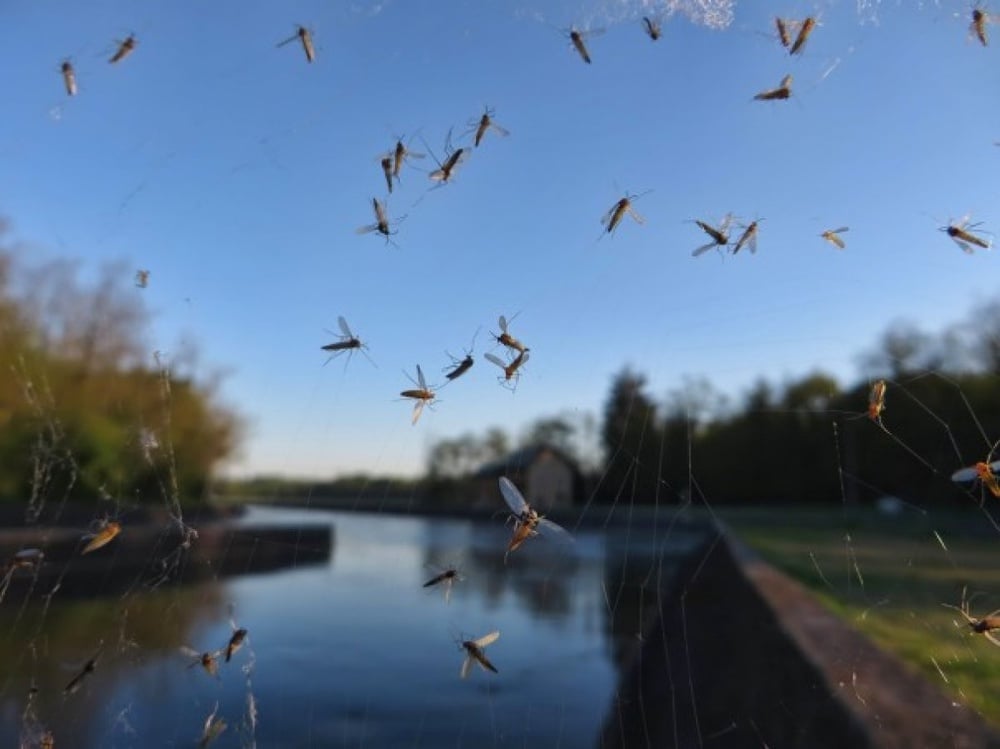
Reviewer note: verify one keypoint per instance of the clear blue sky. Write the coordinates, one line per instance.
(237, 174)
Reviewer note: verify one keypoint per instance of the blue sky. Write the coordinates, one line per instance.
(237, 174)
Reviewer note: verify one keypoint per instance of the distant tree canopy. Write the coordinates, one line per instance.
(85, 409)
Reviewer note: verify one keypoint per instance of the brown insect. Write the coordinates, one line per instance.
(105, 533)
(507, 339)
(720, 235)
(577, 38)
(876, 401)
(783, 91)
(748, 238)
(460, 367)
(142, 278)
(348, 342)
(386, 163)
(782, 26)
(447, 578)
(527, 521)
(235, 642)
(474, 651)
(400, 154)
(124, 49)
(443, 174)
(652, 27)
(978, 26)
(381, 225)
(831, 236)
(984, 472)
(303, 35)
(982, 626)
(961, 234)
(485, 123)
(69, 77)
(509, 370)
(803, 36)
(422, 394)
(212, 729)
(88, 668)
(208, 661)
(617, 212)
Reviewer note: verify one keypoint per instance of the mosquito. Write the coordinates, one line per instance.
(25, 559)
(803, 36)
(124, 49)
(782, 26)
(443, 174)
(876, 401)
(142, 278)
(236, 641)
(348, 342)
(474, 652)
(832, 236)
(576, 38)
(88, 668)
(400, 154)
(961, 234)
(447, 577)
(212, 729)
(303, 35)
(783, 91)
(386, 162)
(720, 235)
(527, 522)
(988, 474)
(106, 531)
(69, 77)
(748, 237)
(381, 225)
(460, 366)
(422, 394)
(485, 123)
(652, 27)
(617, 212)
(507, 339)
(979, 626)
(208, 660)
(509, 370)
(978, 26)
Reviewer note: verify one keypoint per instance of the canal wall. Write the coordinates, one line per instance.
(739, 655)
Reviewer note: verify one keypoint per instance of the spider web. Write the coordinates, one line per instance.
(345, 647)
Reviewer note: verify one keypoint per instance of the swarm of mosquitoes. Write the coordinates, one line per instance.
(793, 35)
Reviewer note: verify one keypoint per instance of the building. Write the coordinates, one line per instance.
(547, 477)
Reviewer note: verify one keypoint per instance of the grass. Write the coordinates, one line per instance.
(889, 576)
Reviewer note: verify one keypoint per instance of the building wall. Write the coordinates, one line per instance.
(549, 483)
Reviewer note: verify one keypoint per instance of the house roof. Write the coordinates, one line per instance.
(520, 460)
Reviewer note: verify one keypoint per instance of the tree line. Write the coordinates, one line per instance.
(87, 411)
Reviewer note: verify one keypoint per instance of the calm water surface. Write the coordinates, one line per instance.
(351, 652)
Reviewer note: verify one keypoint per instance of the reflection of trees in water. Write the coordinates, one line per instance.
(45, 649)
(539, 577)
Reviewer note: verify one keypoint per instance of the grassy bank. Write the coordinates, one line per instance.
(889, 576)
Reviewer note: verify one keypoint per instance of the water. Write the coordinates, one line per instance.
(352, 651)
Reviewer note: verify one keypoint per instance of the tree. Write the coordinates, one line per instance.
(631, 439)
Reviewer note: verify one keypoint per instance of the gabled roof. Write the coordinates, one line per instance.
(520, 460)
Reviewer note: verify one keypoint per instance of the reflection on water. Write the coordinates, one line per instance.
(353, 652)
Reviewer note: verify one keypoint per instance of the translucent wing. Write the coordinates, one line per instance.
(512, 496)
(418, 409)
(726, 221)
(438, 175)
(366, 229)
(841, 230)
(752, 242)
(554, 531)
(704, 248)
(190, 653)
(639, 219)
(344, 327)
(489, 639)
(786, 82)
(496, 360)
(420, 378)
(499, 130)
(969, 474)
(466, 665)
(591, 33)
(503, 323)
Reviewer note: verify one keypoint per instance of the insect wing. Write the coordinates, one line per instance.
(366, 229)
(466, 665)
(102, 538)
(418, 409)
(486, 640)
(512, 496)
(554, 531)
(496, 360)
(703, 249)
(344, 327)
(970, 473)
(502, 322)
(420, 378)
(638, 219)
